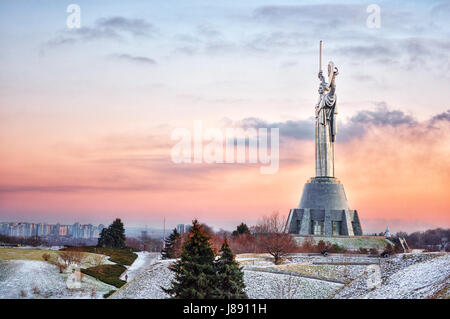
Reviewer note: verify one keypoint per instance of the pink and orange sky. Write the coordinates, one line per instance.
(87, 114)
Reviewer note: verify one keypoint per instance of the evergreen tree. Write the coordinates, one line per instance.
(195, 276)
(113, 236)
(171, 246)
(241, 229)
(230, 276)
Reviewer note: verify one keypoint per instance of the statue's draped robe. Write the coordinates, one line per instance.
(326, 130)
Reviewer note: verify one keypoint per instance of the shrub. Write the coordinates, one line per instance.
(335, 248)
(73, 255)
(388, 250)
(323, 246)
(363, 250)
(61, 267)
(36, 290)
(46, 256)
(307, 246)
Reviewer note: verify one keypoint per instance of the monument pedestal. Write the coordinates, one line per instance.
(323, 211)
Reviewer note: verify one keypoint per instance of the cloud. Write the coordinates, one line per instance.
(354, 127)
(104, 28)
(322, 15)
(300, 130)
(279, 40)
(376, 50)
(135, 59)
(382, 116)
(438, 118)
(137, 27)
(208, 30)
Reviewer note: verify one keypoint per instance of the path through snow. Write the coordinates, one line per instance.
(143, 260)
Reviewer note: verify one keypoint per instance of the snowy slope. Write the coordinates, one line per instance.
(412, 276)
(417, 281)
(23, 275)
(143, 260)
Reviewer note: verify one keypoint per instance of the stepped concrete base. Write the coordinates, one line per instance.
(323, 210)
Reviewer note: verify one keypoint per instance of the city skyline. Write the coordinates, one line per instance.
(87, 115)
(43, 229)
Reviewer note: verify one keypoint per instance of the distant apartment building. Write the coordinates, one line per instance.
(23, 229)
(180, 229)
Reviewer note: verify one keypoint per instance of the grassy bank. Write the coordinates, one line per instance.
(124, 256)
(109, 274)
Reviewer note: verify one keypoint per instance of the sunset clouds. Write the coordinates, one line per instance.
(87, 114)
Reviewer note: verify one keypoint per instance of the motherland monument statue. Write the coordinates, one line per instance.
(323, 209)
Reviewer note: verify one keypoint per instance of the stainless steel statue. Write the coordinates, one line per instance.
(326, 127)
(323, 209)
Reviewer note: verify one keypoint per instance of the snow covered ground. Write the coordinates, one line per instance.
(266, 285)
(422, 275)
(143, 260)
(39, 279)
(416, 281)
(402, 276)
(147, 284)
(412, 276)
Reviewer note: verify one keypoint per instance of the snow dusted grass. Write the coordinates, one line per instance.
(402, 276)
(36, 254)
(338, 272)
(412, 276)
(265, 285)
(416, 281)
(255, 261)
(18, 279)
(147, 284)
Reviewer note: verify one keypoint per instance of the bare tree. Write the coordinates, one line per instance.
(273, 239)
(72, 256)
(97, 260)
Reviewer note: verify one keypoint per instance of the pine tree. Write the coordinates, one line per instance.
(241, 229)
(113, 236)
(171, 246)
(195, 276)
(230, 276)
